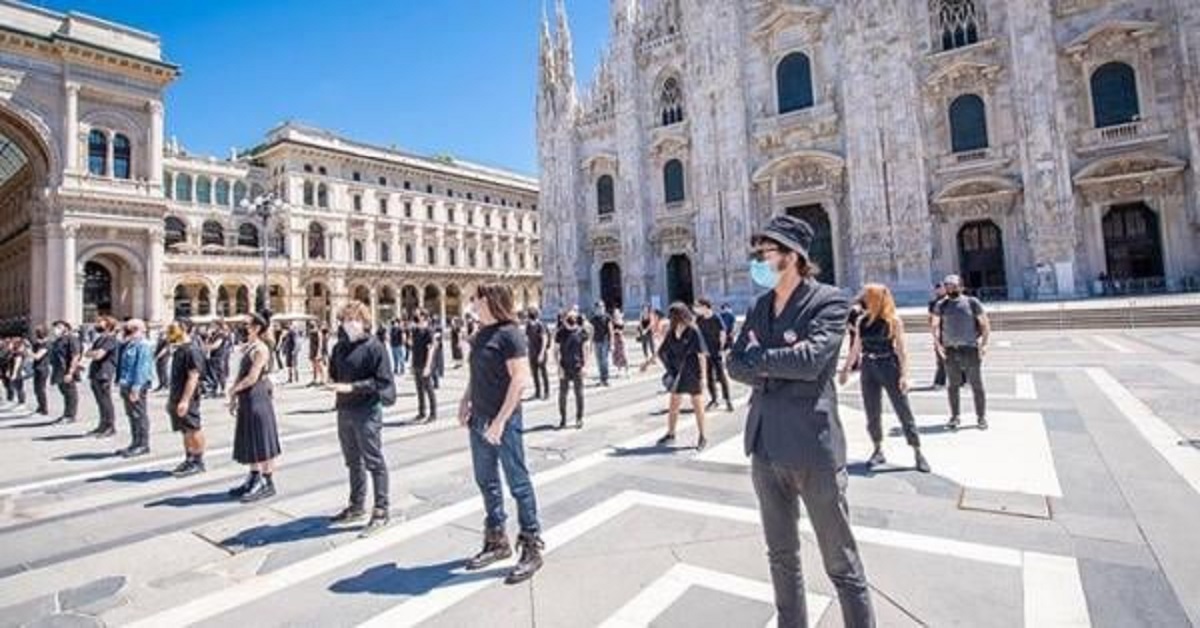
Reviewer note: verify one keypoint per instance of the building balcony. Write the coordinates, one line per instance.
(986, 158)
(805, 125)
(1125, 135)
(90, 183)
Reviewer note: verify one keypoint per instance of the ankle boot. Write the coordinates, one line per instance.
(531, 558)
(264, 489)
(495, 548)
(245, 487)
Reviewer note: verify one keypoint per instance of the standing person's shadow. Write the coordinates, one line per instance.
(393, 579)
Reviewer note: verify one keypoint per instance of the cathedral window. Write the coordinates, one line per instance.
(1114, 95)
(956, 23)
(673, 182)
(968, 124)
(121, 156)
(793, 82)
(308, 193)
(670, 102)
(605, 201)
(316, 241)
(97, 153)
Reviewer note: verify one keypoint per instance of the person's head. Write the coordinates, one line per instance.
(135, 328)
(618, 316)
(780, 251)
(61, 328)
(726, 308)
(106, 324)
(952, 285)
(179, 331)
(421, 318)
(534, 314)
(704, 307)
(495, 302)
(40, 332)
(878, 304)
(355, 317)
(258, 327)
(681, 315)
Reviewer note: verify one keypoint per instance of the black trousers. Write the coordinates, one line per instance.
(575, 380)
(425, 394)
(104, 402)
(963, 365)
(70, 395)
(162, 369)
(360, 432)
(780, 490)
(939, 378)
(717, 374)
(541, 377)
(139, 420)
(16, 386)
(878, 375)
(39, 391)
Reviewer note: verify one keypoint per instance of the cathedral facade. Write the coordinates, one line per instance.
(1042, 149)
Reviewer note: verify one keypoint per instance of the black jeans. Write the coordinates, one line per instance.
(939, 377)
(880, 374)
(541, 377)
(102, 389)
(425, 393)
(963, 365)
(70, 394)
(573, 379)
(717, 374)
(360, 432)
(779, 491)
(139, 421)
(17, 385)
(162, 369)
(39, 391)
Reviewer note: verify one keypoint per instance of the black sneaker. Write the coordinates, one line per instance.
(379, 520)
(712, 404)
(667, 439)
(982, 423)
(189, 468)
(264, 489)
(134, 451)
(349, 514)
(99, 433)
(238, 491)
(729, 406)
(562, 424)
(953, 424)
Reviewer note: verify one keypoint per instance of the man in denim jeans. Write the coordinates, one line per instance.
(602, 339)
(135, 372)
(787, 350)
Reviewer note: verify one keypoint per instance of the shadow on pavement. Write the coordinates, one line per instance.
(135, 477)
(303, 529)
(649, 450)
(396, 580)
(60, 437)
(187, 501)
(88, 456)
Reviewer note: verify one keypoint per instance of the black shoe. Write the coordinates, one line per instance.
(701, 443)
(953, 424)
(922, 464)
(134, 451)
(349, 514)
(495, 549)
(982, 423)
(667, 439)
(729, 406)
(190, 467)
(712, 404)
(379, 520)
(877, 459)
(99, 433)
(531, 558)
(562, 424)
(578, 424)
(63, 420)
(238, 491)
(265, 489)
(420, 418)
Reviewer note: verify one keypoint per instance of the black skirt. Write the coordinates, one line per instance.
(256, 436)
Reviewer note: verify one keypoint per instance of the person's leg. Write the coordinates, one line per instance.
(710, 374)
(537, 381)
(577, 382)
(698, 408)
(545, 369)
(419, 381)
(512, 460)
(485, 460)
(723, 373)
(141, 419)
(673, 413)
(779, 509)
(130, 414)
(872, 396)
(824, 495)
(954, 379)
(99, 389)
(563, 382)
(431, 389)
(939, 377)
(348, 438)
(890, 371)
(602, 360)
(974, 373)
(19, 386)
(371, 440)
(39, 393)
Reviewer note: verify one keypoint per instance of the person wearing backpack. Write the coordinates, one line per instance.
(960, 334)
(360, 375)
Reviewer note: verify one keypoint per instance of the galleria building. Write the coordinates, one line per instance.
(99, 215)
(1034, 147)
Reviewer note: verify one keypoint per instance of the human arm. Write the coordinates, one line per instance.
(258, 363)
(851, 358)
(802, 361)
(901, 354)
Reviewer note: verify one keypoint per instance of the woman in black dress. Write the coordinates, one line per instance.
(41, 368)
(255, 437)
(682, 353)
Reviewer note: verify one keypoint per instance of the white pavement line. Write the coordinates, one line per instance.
(1112, 344)
(1188, 371)
(1053, 591)
(1052, 573)
(258, 587)
(1161, 436)
(655, 599)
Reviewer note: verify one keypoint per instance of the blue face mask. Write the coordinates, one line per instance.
(763, 275)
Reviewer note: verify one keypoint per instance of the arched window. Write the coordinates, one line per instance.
(204, 190)
(670, 102)
(956, 23)
(97, 153)
(122, 157)
(174, 232)
(309, 193)
(212, 234)
(793, 81)
(239, 192)
(605, 201)
(385, 252)
(968, 124)
(183, 187)
(316, 241)
(222, 192)
(322, 195)
(1114, 95)
(673, 181)
(248, 236)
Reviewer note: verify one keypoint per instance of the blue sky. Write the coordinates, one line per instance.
(431, 76)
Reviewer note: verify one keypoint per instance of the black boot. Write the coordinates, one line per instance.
(531, 558)
(264, 489)
(495, 548)
(251, 481)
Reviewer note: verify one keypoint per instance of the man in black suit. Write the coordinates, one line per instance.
(787, 351)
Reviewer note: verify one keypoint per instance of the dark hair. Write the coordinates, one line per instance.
(39, 332)
(705, 302)
(534, 313)
(499, 300)
(680, 314)
(807, 268)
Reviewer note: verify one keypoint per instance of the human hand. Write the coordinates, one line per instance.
(751, 340)
(843, 377)
(494, 433)
(464, 411)
(181, 408)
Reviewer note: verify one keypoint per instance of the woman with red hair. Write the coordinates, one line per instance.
(879, 342)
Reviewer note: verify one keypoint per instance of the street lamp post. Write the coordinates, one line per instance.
(263, 207)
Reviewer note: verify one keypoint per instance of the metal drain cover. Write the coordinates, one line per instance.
(1005, 503)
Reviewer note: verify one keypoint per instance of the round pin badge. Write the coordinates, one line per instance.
(790, 337)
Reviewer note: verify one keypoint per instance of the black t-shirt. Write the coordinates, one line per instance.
(397, 336)
(679, 353)
(422, 343)
(63, 351)
(600, 331)
(933, 304)
(105, 369)
(570, 348)
(42, 364)
(491, 348)
(535, 333)
(710, 329)
(186, 358)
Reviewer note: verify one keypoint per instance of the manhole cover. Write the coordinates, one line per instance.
(1005, 503)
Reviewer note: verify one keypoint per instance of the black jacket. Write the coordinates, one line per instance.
(363, 364)
(793, 418)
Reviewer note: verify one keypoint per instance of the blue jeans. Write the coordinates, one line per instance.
(602, 350)
(488, 459)
(398, 359)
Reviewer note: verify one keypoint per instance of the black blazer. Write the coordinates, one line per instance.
(793, 418)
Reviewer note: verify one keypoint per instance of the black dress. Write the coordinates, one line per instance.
(681, 356)
(255, 436)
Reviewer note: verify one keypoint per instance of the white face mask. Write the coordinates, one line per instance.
(354, 329)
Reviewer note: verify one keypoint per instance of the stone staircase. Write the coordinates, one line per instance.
(1138, 313)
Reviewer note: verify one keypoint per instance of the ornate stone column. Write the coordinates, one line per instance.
(154, 269)
(68, 309)
(154, 144)
(71, 127)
